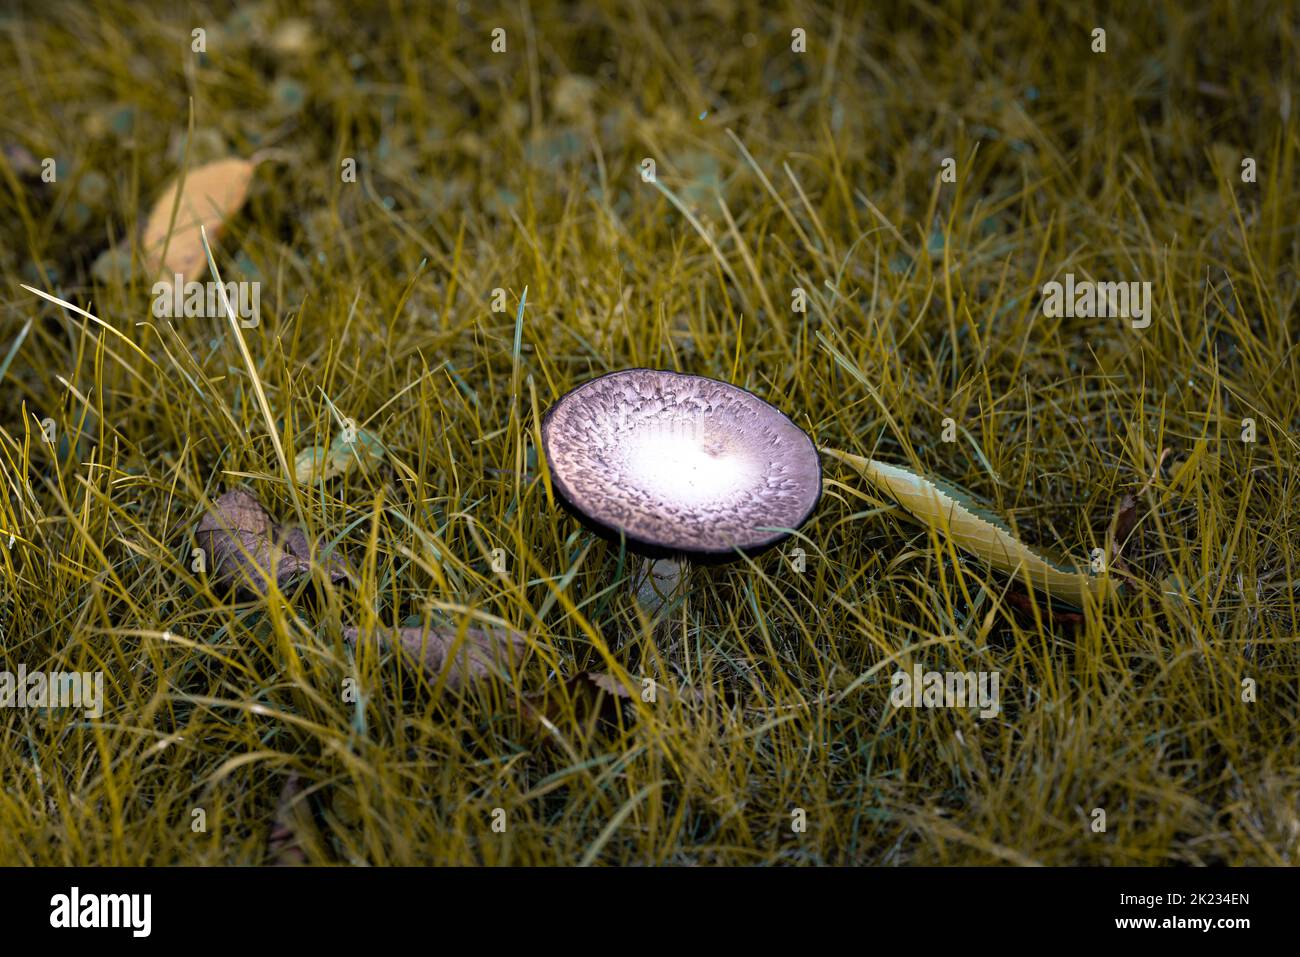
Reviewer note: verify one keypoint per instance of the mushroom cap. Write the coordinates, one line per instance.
(677, 463)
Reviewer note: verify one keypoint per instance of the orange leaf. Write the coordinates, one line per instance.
(209, 196)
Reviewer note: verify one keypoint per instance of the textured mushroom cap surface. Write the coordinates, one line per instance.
(681, 462)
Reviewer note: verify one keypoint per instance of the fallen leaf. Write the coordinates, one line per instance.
(294, 541)
(1024, 603)
(309, 465)
(238, 509)
(363, 450)
(318, 464)
(246, 548)
(1122, 525)
(480, 653)
(976, 530)
(283, 845)
(1127, 515)
(210, 195)
(603, 681)
(584, 696)
(591, 697)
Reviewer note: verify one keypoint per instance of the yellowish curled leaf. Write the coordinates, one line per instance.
(977, 533)
(309, 465)
(210, 196)
(349, 450)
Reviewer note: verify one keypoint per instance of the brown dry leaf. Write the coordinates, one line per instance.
(245, 547)
(481, 653)
(1122, 525)
(283, 845)
(1025, 603)
(1127, 515)
(603, 681)
(597, 697)
(594, 694)
(210, 196)
(294, 541)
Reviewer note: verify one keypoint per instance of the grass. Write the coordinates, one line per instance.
(774, 170)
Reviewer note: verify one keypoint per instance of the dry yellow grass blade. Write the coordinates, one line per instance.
(977, 532)
(209, 196)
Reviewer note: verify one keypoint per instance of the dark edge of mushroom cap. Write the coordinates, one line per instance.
(652, 549)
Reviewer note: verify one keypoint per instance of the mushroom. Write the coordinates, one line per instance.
(680, 464)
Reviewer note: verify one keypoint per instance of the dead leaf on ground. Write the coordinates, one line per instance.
(309, 465)
(585, 695)
(604, 697)
(1025, 603)
(1127, 515)
(283, 845)
(246, 548)
(1121, 527)
(976, 530)
(480, 653)
(209, 197)
(347, 451)
(1128, 512)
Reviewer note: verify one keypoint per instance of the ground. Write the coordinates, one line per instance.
(912, 174)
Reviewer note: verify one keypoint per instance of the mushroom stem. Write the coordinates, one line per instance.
(657, 583)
